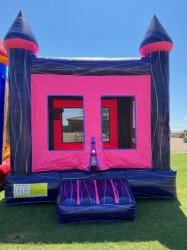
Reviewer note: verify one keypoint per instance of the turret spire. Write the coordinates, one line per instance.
(20, 35)
(156, 38)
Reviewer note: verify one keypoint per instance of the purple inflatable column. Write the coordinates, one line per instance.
(21, 45)
(157, 44)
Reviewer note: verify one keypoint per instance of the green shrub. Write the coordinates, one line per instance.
(185, 138)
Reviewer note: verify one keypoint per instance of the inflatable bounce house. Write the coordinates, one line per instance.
(4, 149)
(91, 134)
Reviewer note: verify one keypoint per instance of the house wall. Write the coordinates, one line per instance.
(92, 88)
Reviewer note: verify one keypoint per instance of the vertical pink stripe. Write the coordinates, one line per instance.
(115, 196)
(78, 193)
(96, 192)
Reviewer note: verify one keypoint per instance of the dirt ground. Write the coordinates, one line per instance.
(178, 146)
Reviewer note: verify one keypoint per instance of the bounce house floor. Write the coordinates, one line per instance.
(144, 183)
(91, 196)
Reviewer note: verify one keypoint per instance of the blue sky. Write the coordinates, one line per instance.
(107, 28)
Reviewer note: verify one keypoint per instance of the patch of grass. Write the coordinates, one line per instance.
(160, 224)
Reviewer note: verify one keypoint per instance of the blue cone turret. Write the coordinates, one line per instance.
(20, 35)
(156, 38)
(157, 44)
(21, 44)
(21, 29)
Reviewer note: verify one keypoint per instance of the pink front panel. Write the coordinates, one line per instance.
(91, 88)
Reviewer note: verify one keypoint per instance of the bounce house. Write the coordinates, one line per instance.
(3, 64)
(91, 134)
(4, 150)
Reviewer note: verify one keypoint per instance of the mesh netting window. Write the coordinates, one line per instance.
(66, 123)
(119, 122)
(72, 125)
(106, 124)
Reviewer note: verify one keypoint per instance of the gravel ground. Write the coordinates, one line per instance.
(178, 146)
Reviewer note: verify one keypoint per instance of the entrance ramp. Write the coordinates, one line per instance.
(95, 200)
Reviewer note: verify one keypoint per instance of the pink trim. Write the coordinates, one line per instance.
(96, 192)
(17, 43)
(114, 191)
(78, 193)
(91, 88)
(166, 46)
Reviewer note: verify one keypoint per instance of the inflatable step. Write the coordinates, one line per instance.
(95, 200)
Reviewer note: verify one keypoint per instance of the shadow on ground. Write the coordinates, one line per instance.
(160, 220)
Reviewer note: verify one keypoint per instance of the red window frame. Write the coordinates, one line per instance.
(111, 104)
(133, 145)
(58, 127)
